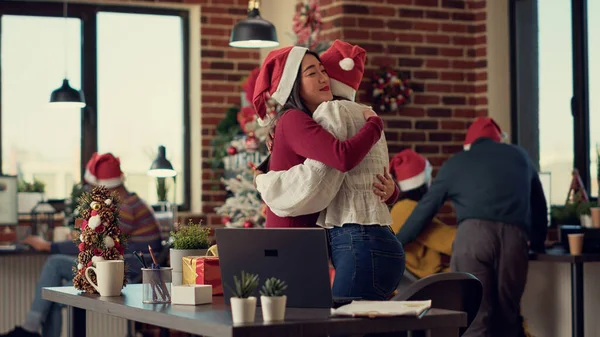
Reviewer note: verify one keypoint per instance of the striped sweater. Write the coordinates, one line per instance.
(136, 220)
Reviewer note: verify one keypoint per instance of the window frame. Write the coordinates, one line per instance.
(521, 98)
(87, 13)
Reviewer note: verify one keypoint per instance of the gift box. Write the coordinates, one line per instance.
(203, 270)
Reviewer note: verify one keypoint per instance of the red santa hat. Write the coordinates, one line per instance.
(104, 169)
(410, 169)
(276, 79)
(483, 127)
(345, 64)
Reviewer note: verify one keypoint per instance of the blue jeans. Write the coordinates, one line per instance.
(56, 272)
(368, 260)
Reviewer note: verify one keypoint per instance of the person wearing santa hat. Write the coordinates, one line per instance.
(136, 219)
(500, 209)
(350, 203)
(431, 251)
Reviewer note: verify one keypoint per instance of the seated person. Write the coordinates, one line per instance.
(430, 252)
(136, 220)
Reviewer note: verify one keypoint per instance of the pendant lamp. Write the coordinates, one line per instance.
(253, 32)
(161, 167)
(66, 96)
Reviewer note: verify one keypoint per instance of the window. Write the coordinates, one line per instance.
(555, 92)
(140, 100)
(39, 141)
(132, 64)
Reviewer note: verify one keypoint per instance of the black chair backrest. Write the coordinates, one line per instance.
(451, 291)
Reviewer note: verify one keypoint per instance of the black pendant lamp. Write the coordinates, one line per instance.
(161, 167)
(254, 32)
(66, 96)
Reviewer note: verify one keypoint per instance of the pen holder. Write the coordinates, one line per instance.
(156, 285)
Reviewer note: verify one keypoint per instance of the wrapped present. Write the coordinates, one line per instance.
(203, 270)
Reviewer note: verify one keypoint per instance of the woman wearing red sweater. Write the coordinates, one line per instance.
(295, 78)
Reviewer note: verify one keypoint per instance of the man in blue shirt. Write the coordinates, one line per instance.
(501, 211)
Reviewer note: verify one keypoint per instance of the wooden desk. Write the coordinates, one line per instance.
(215, 319)
(559, 255)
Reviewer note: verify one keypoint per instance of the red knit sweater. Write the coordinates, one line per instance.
(299, 137)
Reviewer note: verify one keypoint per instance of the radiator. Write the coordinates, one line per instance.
(19, 275)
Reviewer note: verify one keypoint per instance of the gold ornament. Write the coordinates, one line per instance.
(95, 205)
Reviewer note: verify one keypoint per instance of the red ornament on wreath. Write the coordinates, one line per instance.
(232, 150)
(225, 220)
(248, 224)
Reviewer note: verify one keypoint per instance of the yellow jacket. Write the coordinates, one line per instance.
(424, 255)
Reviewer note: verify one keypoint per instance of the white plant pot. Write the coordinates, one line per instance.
(176, 260)
(586, 221)
(273, 308)
(243, 310)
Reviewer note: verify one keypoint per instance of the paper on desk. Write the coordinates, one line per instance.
(382, 308)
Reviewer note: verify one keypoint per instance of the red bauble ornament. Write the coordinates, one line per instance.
(231, 150)
(252, 143)
(248, 224)
(225, 220)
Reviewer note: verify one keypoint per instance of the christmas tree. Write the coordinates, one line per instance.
(239, 143)
(100, 237)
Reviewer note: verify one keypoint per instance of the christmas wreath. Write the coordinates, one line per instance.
(390, 90)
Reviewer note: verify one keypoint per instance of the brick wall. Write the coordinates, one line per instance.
(442, 43)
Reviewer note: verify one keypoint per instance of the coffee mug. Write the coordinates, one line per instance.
(109, 275)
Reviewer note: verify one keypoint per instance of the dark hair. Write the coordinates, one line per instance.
(295, 100)
(416, 194)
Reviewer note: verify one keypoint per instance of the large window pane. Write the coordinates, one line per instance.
(39, 141)
(594, 85)
(556, 90)
(140, 95)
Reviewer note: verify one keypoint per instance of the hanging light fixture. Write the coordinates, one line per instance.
(254, 32)
(66, 96)
(161, 167)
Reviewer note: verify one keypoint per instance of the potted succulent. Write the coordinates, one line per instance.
(273, 300)
(243, 304)
(187, 240)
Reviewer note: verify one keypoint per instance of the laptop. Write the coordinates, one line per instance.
(298, 256)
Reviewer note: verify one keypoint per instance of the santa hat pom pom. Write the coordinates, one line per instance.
(347, 64)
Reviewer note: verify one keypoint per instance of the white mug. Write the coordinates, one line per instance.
(109, 275)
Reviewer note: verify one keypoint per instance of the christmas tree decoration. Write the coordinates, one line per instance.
(99, 235)
(252, 143)
(248, 224)
(244, 204)
(231, 150)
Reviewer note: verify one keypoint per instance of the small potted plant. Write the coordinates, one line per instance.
(243, 304)
(273, 300)
(188, 240)
(29, 194)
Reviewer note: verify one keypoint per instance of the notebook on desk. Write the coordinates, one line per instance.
(298, 256)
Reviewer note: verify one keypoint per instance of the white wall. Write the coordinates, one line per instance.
(280, 14)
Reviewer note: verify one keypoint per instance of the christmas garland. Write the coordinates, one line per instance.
(100, 237)
(390, 90)
(306, 25)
